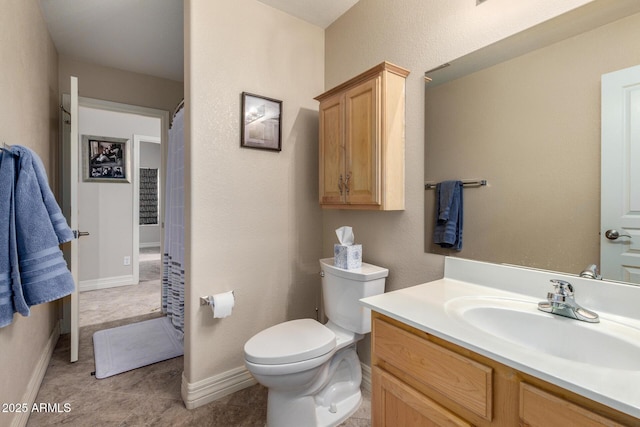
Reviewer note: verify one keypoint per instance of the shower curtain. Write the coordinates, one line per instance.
(173, 257)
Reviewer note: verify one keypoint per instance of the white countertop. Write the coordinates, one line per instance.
(425, 307)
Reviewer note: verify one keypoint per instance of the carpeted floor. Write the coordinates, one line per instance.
(150, 264)
(106, 305)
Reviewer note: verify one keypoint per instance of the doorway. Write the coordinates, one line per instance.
(110, 257)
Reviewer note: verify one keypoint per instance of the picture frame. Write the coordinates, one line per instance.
(105, 159)
(261, 122)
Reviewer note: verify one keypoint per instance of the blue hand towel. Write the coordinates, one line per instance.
(448, 228)
(43, 271)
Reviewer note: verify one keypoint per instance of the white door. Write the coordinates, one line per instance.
(620, 176)
(69, 157)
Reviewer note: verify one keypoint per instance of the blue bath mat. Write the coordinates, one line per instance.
(132, 346)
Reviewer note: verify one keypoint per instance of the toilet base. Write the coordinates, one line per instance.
(335, 399)
(344, 410)
(296, 412)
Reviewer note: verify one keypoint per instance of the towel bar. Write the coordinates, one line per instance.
(470, 183)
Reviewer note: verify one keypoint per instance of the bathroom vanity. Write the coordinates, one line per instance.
(473, 349)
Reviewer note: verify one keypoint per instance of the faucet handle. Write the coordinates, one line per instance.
(562, 287)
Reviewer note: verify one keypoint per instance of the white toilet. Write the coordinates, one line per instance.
(312, 370)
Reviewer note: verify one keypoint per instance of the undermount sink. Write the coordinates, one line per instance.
(607, 344)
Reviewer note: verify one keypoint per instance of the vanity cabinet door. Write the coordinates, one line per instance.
(453, 376)
(541, 409)
(397, 404)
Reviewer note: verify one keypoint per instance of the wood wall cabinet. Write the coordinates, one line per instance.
(362, 141)
(421, 380)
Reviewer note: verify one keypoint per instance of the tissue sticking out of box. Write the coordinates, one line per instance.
(345, 235)
(346, 254)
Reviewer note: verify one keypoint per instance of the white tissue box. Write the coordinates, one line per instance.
(347, 257)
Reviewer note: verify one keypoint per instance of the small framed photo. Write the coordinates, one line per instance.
(105, 159)
(261, 122)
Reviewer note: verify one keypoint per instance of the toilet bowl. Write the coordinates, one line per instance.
(312, 370)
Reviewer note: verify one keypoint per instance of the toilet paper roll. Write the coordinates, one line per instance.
(222, 304)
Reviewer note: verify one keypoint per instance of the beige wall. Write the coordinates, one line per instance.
(418, 35)
(28, 116)
(111, 84)
(252, 216)
(531, 127)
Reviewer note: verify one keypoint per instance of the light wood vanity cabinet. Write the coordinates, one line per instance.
(362, 141)
(421, 380)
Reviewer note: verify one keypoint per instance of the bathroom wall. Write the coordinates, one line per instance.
(111, 84)
(28, 116)
(418, 35)
(252, 216)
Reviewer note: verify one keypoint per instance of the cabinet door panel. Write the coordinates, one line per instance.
(453, 376)
(541, 409)
(332, 151)
(363, 143)
(397, 404)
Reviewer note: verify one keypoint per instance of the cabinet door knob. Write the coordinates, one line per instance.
(340, 184)
(346, 184)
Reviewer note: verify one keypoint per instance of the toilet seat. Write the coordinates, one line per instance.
(290, 342)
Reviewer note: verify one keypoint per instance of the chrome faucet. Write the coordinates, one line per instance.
(591, 272)
(562, 302)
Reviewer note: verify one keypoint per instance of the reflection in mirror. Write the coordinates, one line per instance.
(530, 126)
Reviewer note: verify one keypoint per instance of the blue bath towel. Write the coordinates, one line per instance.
(32, 268)
(448, 228)
(43, 270)
(6, 186)
(58, 220)
(11, 297)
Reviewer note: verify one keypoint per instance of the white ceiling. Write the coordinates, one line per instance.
(146, 36)
(318, 12)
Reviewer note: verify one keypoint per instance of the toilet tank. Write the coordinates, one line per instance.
(342, 290)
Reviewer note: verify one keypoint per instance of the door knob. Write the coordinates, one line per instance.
(613, 234)
(78, 234)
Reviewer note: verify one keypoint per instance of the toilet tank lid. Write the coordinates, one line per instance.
(290, 342)
(363, 274)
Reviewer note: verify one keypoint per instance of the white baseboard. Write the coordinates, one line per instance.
(36, 379)
(366, 377)
(213, 388)
(106, 282)
(149, 245)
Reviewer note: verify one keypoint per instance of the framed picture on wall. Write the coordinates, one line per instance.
(105, 159)
(261, 122)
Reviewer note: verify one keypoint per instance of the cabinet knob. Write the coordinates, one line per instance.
(346, 184)
(340, 184)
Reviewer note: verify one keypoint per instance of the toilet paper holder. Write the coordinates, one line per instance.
(206, 301)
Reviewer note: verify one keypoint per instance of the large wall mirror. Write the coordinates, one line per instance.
(525, 115)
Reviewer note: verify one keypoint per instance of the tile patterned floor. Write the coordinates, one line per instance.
(148, 396)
